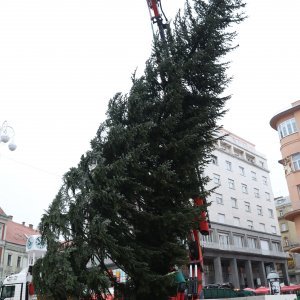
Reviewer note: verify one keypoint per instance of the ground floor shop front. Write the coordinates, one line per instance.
(241, 271)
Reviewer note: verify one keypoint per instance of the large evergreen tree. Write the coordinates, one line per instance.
(129, 197)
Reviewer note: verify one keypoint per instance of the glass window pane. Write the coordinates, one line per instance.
(287, 127)
(238, 241)
(223, 239)
(221, 218)
(251, 242)
(236, 221)
(264, 245)
(284, 131)
(294, 125)
(8, 292)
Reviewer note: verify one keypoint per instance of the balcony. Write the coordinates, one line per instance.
(234, 248)
(244, 156)
(291, 214)
(294, 244)
(293, 247)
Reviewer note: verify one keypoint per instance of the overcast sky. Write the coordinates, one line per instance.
(61, 61)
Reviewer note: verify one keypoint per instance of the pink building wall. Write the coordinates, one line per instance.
(290, 145)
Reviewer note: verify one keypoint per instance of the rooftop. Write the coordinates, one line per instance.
(17, 233)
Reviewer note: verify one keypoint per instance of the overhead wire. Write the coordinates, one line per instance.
(30, 166)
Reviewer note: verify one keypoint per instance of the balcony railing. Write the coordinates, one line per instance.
(234, 248)
(294, 244)
(291, 245)
(245, 156)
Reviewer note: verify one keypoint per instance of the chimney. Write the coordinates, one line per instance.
(30, 226)
(10, 217)
(23, 223)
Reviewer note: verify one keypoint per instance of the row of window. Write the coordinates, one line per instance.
(9, 260)
(247, 205)
(287, 127)
(225, 239)
(237, 222)
(242, 171)
(244, 187)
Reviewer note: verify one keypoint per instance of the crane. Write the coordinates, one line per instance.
(158, 17)
(194, 283)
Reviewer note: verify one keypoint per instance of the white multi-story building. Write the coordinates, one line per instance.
(245, 242)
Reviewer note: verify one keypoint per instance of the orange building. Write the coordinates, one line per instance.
(287, 124)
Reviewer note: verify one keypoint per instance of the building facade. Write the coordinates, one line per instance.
(245, 242)
(289, 237)
(13, 237)
(287, 124)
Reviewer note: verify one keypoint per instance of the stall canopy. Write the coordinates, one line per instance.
(263, 290)
(290, 288)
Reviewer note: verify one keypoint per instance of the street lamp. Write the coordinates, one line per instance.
(7, 134)
(274, 284)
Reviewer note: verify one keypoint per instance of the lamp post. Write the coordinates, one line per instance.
(274, 284)
(7, 134)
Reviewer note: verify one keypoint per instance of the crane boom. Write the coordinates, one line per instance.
(158, 17)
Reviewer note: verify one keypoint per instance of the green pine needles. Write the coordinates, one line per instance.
(128, 200)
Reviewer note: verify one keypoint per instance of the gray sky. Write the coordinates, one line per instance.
(61, 61)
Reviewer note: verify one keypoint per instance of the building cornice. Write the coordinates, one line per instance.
(276, 118)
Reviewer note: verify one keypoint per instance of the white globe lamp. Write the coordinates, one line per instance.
(12, 146)
(7, 134)
(4, 138)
